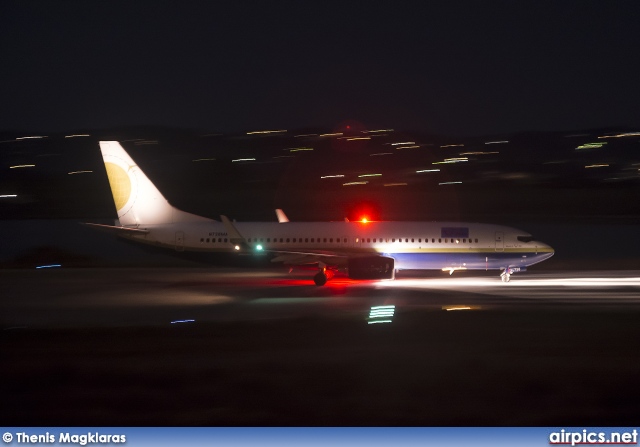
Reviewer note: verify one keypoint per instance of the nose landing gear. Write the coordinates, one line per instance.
(506, 274)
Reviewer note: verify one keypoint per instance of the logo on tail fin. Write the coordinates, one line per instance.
(120, 184)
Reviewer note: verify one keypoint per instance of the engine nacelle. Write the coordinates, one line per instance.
(371, 267)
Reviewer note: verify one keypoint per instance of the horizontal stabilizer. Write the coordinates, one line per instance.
(115, 229)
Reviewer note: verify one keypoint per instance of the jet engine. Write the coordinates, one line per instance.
(371, 267)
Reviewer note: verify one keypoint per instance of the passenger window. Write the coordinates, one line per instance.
(225, 239)
(312, 239)
(368, 240)
(412, 240)
(294, 239)
(420, 240)
(357, 240)
(325, 239)
(268, 239)
(201, 239)
(464, 240)
(331, 240)
(219, 239)
(306, 239)
(439, 240)
(476, 240)
(288, 240)
(207, 239)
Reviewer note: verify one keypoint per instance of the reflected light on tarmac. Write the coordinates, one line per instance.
(460, 283)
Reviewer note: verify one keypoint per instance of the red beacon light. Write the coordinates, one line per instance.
(364, 220)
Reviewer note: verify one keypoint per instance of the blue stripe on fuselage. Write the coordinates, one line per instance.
(471, 261)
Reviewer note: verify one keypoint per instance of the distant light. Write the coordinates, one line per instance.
(182, 321)
(377, 131)
(337, 134)
(479, 153)
(407, 147)
(348, 127)
(591, 145)
(79, 172)
(204, 159)
(370, 175)
(77, 135)
(381, 314)
(497, 142)
(427, 170)
(358, 138)
(298, 149)
(395, 184)
(332, 176)
(22, 166)
(33, 137)
(451, 160)
(262, 132)
(620, 135)
(354, 183)
(48, 266)
(259, 247)
(381, 153)
(8, 195)
(597, 166)
(237, 247)
(145, 142)
(449, 183)
(243, 159)
(404, 142)
(452, 145)
(457, 308)
(306, 135)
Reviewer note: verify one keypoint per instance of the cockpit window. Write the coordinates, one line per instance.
(525, 238)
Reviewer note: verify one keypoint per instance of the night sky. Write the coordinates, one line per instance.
(449, 67)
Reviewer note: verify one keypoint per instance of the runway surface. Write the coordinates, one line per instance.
(144, 347)
(58, 297)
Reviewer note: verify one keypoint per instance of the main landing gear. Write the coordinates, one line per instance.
(323, 275)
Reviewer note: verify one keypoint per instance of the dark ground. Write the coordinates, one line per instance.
(534, 366)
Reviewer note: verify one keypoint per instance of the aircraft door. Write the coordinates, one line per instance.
(179, 240)
(499, 241)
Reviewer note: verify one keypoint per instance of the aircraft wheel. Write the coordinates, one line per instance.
(320, 279)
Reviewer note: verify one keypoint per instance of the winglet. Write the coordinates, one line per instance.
(282, 217)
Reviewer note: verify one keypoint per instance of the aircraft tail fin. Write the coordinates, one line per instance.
(137, 200)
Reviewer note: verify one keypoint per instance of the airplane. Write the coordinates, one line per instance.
(364, 249)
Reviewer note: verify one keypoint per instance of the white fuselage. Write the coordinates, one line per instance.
(413, 245)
